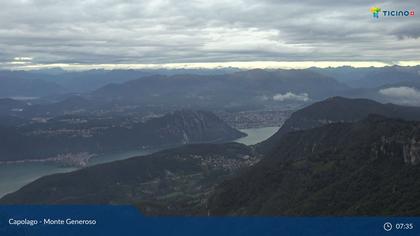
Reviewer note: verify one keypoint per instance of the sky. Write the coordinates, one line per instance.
(87, 34)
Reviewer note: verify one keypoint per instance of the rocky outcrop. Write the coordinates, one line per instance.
(197, 126)
(411, 152)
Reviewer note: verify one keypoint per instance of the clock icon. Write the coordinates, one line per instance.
(387, 226)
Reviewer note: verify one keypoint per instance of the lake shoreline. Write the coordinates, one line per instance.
(13, 176)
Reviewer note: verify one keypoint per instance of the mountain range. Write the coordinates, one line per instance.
(208, 89)
(81, 81)
(77, 134)
(343, 160)
(252, 87)
(338, 110)
(20, 87)
(371, 77)
(242, 90)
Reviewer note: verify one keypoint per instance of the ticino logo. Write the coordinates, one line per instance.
(376, 11)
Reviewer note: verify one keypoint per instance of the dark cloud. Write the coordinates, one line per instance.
(169, 31)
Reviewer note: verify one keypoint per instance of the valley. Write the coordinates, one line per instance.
(16, 174)
(279, 142)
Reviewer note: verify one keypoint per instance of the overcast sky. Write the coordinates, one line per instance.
(125, 32)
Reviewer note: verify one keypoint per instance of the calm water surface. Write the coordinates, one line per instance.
(257, 135)
(14, 176)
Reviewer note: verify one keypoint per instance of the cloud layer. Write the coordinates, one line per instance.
(169, 31)
(402, 95)
(289, 96)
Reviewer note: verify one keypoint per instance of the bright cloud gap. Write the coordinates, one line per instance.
(25, 64)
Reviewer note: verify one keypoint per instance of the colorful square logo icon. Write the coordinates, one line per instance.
(375, 11)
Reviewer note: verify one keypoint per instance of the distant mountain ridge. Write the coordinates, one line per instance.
(319, 83)
(245, 87)
(372, 77)
(14, 87)
(251, 89)
(89, 80)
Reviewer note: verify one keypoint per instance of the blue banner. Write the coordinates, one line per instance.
(127, 220)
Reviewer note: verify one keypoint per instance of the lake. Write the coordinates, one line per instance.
(14, 176)
(257, 135)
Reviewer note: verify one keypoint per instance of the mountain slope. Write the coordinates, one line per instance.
(338, 109)
(169, 182)
(72, 135)
(369, 167)
(365, 168)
